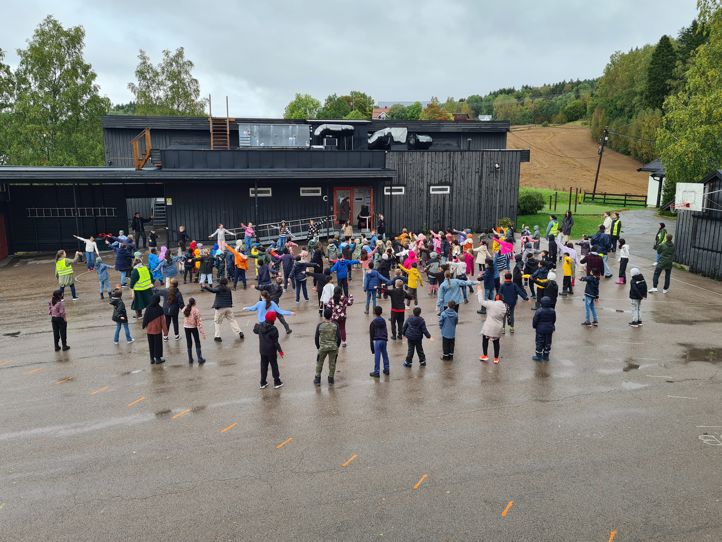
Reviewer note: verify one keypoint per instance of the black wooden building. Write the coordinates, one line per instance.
(699, 234)
(418, 174)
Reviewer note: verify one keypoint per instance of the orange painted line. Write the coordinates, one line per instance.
(612, 535)
(288, 440)
(421, 481)
(506, 510)
(33, 371)
(138, 400)
(349, 460)
(64, 380)
(226, 429)
(100, 390)
(181, 413)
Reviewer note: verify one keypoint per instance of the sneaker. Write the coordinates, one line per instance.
(331, 381)
(102, 296)
(422, 363)
(483, 358)
(317, 380)
(76, 298)
(288, 331)
(343, 344)
(545, 357)
(634, 324)
(165, 338)
(159, 361)
(374, 374)
(665, 291)
(65, 348)
(640, 323)
(177, 337)
(57, 348)
(587, 323)
(263, 386)
(595, 323)
(114, 342)
(393, 337)
(511, 329)
(217, 339)
(407, 364)
(654, 264)
(618, 281)
(537, 358)
(278, 385)
(444, 358)
(132, 340)
(496, 361)
(652, 290)
(240, 335)
(386, 372)
(201, 361)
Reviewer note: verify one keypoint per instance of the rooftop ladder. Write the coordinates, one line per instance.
(220, 128)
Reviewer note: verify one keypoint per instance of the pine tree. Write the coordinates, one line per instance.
(660, 73)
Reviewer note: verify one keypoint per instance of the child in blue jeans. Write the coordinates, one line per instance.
(103, 277)
(379, 336)
(591, 296)
(120, 316)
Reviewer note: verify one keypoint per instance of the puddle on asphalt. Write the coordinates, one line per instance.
(632, 386)
(710, 355)
(164, 412)
(222, 363)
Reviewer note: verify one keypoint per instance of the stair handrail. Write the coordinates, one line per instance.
(140, 159)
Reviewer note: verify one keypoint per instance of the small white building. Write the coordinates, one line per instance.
(656, 181)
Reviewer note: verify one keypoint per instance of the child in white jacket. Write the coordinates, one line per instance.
(623, 256)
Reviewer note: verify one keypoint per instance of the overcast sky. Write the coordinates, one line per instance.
(260, 53)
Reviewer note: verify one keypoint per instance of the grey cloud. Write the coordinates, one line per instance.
(260, 53)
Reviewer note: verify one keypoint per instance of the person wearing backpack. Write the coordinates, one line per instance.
(637, 292)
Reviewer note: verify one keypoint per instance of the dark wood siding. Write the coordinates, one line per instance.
(480, 193)
(270, 159)
(119, 153)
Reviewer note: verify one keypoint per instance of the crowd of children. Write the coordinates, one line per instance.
(451, 263)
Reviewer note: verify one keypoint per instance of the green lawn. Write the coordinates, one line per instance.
(586, 218)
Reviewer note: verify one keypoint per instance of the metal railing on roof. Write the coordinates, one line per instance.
(298, 229)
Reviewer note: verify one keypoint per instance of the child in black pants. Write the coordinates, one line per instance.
(415, 330)
(544, 319)
(269, 348)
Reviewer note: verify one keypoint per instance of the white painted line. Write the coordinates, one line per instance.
(659, 376)
(708, 426)
(680, 397)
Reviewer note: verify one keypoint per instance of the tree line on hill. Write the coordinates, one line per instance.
(657, 100)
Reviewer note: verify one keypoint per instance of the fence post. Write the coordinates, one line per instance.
(550, 202)
(569, 205)
(576, 199)
(556, 194)
(625, 200)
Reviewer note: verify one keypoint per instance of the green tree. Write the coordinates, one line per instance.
(689, 141)
(434, 111)
(362, 102)
(335, 107)
(574, 110)
(7, 84)
(397, 112)
(129, 108)
(413, 111)
(660, 73)
(355, 115)
(303, 106)
(168, 88)
(56, 115)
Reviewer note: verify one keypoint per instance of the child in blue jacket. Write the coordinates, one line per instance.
(103, 276)
(447, 326)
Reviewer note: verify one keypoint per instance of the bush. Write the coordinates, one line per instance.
(505, 222)
(530, 202)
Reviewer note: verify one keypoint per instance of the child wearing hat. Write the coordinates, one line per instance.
(269, 348)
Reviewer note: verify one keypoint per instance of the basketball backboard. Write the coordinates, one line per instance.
(689, 197)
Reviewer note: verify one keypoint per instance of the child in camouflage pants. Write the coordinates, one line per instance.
(328, 339)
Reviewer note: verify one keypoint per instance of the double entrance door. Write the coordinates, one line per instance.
(355, 205)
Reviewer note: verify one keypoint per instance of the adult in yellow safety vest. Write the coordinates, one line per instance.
(142, 284)
(64, 272)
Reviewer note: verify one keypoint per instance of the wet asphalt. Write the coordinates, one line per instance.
(618, 437)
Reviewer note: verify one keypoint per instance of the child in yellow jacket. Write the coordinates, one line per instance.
(415, 280)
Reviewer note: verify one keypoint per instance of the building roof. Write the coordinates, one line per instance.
(655, 167)
(378, 111)
(65, 175)
(715, 175)
(135, 122)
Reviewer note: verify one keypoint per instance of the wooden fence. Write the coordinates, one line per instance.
(623, 200)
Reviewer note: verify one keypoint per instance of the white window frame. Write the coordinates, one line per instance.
(394, 190)
(440, 190)
(310, 191)
(263, 192)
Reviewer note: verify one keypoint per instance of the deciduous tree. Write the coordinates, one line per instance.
(434, 111)
(303, 106)
(56, 115)
(168, 88)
